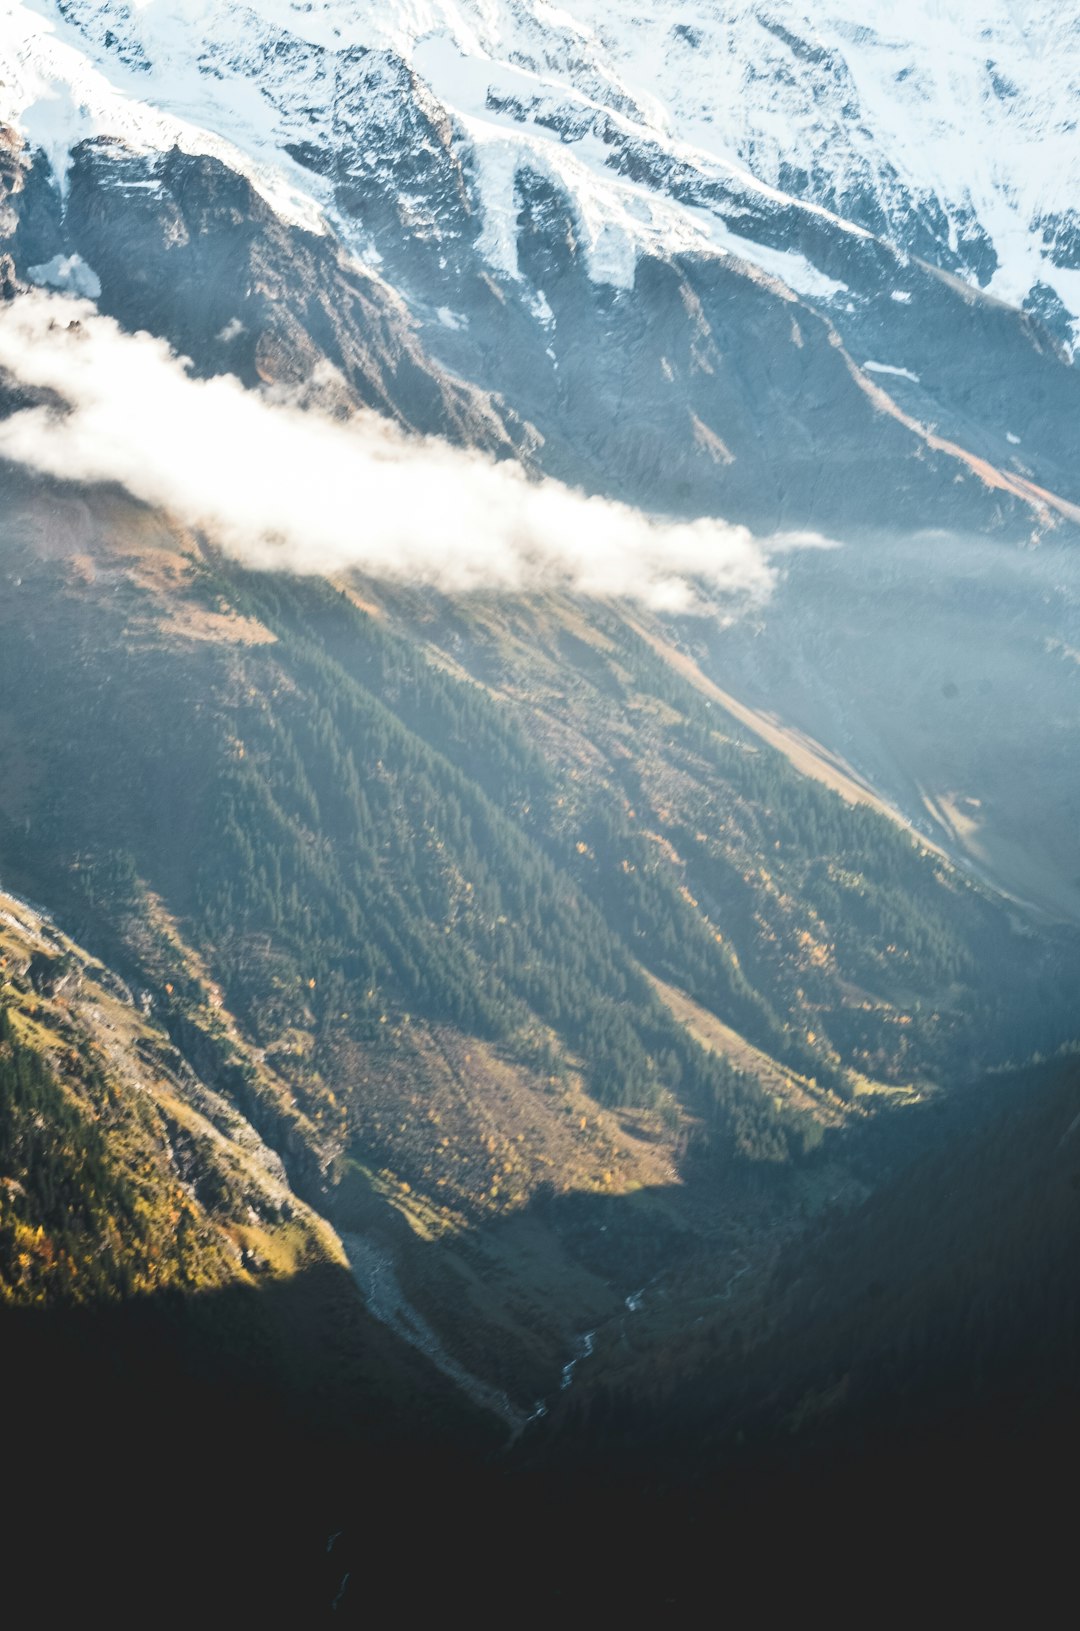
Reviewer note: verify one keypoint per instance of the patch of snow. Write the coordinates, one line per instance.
(538, 305)
(526, 85)
(1009, 437)
(887, 368)
(963, 110)
(450, 319)
(901, 296)
(787, 265)
(496, 176)
(515, 120)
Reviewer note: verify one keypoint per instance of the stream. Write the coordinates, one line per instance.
(585, 1348)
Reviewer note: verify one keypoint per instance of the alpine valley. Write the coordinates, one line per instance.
(539, 813)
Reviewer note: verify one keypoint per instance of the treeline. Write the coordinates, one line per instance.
(869, 881)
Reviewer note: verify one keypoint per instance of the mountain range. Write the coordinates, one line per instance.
(539, 641)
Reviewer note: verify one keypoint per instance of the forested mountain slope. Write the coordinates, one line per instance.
(465, 905)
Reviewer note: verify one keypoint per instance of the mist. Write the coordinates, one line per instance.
(285, 487)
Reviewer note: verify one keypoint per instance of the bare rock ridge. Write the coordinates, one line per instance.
(185, 248)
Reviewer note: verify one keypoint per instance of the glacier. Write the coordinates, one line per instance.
(947, 129)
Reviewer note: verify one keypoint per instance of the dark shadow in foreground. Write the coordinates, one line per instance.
(272, 1456)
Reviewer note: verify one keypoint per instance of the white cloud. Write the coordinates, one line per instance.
(284, 487)
(68, 273)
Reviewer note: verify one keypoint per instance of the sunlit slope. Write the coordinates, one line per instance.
(479, 816)
(123, 1173)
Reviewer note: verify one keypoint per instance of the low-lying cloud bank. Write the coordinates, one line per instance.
(284, 487)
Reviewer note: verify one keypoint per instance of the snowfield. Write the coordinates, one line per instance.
(947, 128)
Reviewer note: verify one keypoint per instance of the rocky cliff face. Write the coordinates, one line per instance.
(186, 248)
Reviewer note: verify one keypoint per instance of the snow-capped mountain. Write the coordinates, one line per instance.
(742, 258)
(950, 130)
